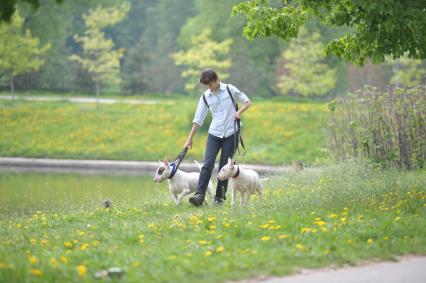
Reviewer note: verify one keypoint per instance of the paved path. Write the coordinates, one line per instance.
(407, 270)
(115, 166)
(87, 99)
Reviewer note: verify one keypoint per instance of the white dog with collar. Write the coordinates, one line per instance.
(245, 181)
(181, 183)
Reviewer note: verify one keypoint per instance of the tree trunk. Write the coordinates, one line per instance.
(97, 90)
(12, 87)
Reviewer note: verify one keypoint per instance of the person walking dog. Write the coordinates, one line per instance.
(220, 99)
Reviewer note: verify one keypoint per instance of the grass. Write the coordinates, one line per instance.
(275, 132)
(343, 214)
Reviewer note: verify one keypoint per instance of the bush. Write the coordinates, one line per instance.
(386, 127)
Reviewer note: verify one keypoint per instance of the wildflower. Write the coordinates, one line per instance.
(33, 241)
(211, 218)
(349, 242)
(212, 227)
(305, 230)
(333, 215)
(36, 272)
(283, 236)
(135, 264)
(219, 249)
(208, 253)
(397, 218)
(53, 262)
(95, 243)
(33, 259)
(82, 233)
(68, 245)
(84, 246)
(300, 247)
(19, 225)
(385, 238)
(264, 226)
(82, 270)
(370, 241)
(265, 238)
(151, 226)
(43, 242)
(202, 242)
(63, 259)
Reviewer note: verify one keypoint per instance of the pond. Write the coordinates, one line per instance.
(26, 193)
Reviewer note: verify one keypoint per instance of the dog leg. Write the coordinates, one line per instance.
(185, 192)
(174, 197)
(260, 191)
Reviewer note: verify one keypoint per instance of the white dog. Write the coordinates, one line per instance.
(182, 183)
(246, 181)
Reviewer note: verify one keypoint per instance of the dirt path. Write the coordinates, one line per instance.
(407, 270)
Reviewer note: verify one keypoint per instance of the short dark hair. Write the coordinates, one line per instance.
(208, 75)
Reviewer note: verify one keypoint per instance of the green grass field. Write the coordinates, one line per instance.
(275, 132)
(342, 214)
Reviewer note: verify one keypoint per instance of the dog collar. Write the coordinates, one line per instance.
(238, 173)
(174, 169)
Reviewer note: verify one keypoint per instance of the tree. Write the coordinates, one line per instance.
(99, 58)
(20, 52)
(382, 27)
(203, 53)
(407, 72)
(8, 7)
(305, 72)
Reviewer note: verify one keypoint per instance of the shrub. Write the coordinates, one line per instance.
(386, 127)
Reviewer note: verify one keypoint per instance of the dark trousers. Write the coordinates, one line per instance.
(214, 144)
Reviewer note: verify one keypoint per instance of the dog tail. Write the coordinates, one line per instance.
(198, 164)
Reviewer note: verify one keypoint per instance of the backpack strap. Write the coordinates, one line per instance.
(205, 101)
(232, 98)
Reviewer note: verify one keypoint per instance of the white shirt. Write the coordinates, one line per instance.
(222, 109)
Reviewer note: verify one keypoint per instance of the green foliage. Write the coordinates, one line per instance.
(407, 72)
(386, 127)
(20, 52)
(385, 27)
(203, 53)
(305, 72)
(8, 7)
(99, 58)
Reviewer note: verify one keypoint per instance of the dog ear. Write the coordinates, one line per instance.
(161, 162)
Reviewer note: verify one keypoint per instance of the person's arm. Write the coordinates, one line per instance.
(188, 143)
(200, 116)
(243, 108)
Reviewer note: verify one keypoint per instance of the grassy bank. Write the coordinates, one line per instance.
(275, 132)
(343, 214)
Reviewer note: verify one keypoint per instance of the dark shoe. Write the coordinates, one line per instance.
(218, 201)
(197, 199)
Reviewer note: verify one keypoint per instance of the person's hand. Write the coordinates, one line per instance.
(238, 115)
(188, 144)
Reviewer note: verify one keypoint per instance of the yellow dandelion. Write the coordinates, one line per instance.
(43, 242)
(36, 272)
(226, 225)
(264, 226)
(219, 249)
(19, 225)
(202, 242)
(305, 230)
(33, 241)
(385, 238)
(211, 218)
(63, 259)
(212, 227)
(135, 264)
(82, 270)
(333, 215)
(151, 226)
(32, 259)
(349, 242)
(95, 243)
(397, 218)
(369, 241)
(82, 233)
(84, 246)
(54, 262)
(300, 247)
(265, 238)
(208, 253)
(68, 245)
(283, 236)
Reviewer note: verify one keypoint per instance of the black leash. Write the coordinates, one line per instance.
(237, 136)
(175, 164)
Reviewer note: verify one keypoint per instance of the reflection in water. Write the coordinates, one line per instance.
(25, 193)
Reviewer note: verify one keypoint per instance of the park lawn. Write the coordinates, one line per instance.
(343, 214)
(275, 132)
